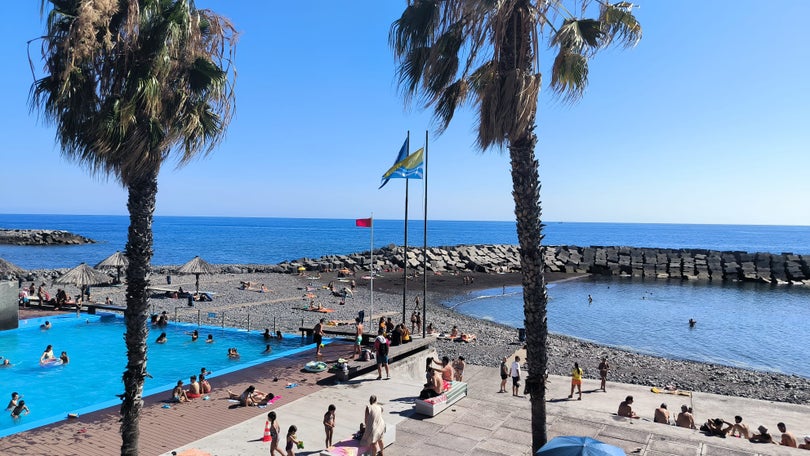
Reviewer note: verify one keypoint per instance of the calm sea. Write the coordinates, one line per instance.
(230, 240)
(739, 324)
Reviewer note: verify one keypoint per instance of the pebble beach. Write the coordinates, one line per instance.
(283, 307)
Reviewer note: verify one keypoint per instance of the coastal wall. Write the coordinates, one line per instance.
(8, 305)
(673, 264)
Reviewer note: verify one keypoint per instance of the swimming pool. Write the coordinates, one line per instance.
(95, 346)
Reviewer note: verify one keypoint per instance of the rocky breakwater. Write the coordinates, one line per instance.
(680, 264)
(42, 237)
(476, 258)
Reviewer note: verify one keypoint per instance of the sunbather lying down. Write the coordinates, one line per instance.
(250, 397)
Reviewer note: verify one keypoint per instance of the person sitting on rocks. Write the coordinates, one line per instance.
(686, 420)
(806, 444)
(626, 409)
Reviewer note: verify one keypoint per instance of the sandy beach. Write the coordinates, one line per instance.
(283, 308)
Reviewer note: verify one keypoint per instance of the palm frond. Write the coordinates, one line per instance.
(569, 75)
(579, 36)
(451, 98)
(619, 24)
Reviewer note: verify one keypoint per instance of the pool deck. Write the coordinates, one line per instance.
(484, 423)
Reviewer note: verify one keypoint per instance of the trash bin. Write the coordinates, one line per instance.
(522, 334)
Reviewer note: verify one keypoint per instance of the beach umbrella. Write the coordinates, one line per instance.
(117, 260)
(569, 445)
(82, 276)
(8, 268)
(197, 266)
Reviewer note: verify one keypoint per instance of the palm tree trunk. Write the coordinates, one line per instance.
(526, 192)
(141, 205)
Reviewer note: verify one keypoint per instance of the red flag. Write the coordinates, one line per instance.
(366, 223)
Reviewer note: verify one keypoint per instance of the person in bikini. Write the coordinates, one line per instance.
(626, 409)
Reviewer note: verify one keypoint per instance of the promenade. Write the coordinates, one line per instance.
(487, 423)
(484, 423)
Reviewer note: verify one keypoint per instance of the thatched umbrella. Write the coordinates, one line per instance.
(117, 260)
(8, 268)
(197, 266)
(82, 276)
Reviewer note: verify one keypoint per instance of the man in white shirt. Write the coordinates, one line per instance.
(515, 373)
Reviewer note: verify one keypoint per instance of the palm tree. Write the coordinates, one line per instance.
(129, 84)
(450, 52)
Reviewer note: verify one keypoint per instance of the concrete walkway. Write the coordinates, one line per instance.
(489, 423)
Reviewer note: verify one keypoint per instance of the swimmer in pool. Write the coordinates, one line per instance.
(47, 354)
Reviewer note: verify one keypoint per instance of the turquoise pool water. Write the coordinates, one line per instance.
(95, 346)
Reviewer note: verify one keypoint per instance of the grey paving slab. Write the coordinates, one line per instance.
(678, 447)
(522, 438)
(713, 450)
(467, 431)
(625, 433)
(499, 446)
(565, 426)
(626, 445)
(454, 442)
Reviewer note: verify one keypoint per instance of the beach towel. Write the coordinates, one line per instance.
(672, 391)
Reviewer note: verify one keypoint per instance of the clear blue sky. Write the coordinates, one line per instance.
(706, 121)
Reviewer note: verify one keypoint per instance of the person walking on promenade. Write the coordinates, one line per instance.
(603, 371)
(275, 429)
(576, 381)
(514, 372)
(381, 349)
(375, 427)
(504, 374)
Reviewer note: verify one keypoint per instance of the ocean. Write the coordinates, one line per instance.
(233, 240)
(738, 324)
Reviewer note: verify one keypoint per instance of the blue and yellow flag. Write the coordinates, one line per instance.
(403, 154)
(409, 168)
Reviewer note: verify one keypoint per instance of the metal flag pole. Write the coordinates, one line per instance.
(424, 248)
(371, 305)
(405, 269)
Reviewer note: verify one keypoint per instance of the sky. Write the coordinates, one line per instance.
(705, 121)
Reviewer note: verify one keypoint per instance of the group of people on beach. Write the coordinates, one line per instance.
(197, 387)
(717, 426)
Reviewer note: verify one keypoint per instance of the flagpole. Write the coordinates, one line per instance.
(371, 305)
(405, 269)
(424, 249)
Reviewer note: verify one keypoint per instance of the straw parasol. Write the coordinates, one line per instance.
(197, 266)
(8, 268)
(82, 276)
(117, 260)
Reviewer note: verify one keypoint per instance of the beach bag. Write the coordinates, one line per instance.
(384, 349)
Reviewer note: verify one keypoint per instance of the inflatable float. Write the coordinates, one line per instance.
(315, 366)
(50, 362)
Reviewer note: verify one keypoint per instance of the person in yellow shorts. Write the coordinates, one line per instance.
(576, 381)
